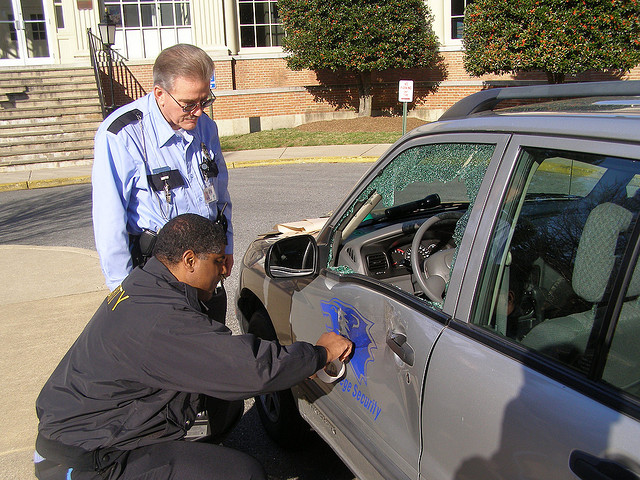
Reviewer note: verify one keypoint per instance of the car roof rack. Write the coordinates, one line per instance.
(486, 100)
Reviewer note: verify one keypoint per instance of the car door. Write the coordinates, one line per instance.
(537, 376)
(371, 416)
(375, 407)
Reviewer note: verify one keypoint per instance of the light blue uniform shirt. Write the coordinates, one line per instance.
(123, 200)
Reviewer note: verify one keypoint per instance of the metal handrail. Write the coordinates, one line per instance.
(124, 87)
(96, 69)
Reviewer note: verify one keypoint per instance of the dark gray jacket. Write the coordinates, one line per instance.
(134, 375)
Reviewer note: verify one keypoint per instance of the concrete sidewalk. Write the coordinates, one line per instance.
(48, 295)
(53, 177)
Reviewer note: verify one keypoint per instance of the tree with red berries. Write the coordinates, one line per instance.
(558, 37)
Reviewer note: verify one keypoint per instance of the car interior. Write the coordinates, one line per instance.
(405, 226)
(568, 241)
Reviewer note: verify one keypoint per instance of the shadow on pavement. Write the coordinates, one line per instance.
(314, 461)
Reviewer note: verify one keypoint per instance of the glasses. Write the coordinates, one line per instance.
(190, 107)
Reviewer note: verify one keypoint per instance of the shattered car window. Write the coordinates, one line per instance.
(453, 171)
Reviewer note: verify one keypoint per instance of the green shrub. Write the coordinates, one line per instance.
(558, 37)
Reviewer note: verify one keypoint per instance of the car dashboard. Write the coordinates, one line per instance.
(385, 253)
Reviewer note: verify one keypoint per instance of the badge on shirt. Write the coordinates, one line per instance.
(208, 167)
(164, 180)
(209, 192)
(209, 171)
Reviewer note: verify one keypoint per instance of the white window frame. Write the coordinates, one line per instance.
(146, 41)
(272, 25)
(449, 42)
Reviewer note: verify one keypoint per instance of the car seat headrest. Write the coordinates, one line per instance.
(596, 253)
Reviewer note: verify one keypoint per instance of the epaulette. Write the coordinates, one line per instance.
(125, 119)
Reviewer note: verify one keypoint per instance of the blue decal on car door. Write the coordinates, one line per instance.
(347, 321)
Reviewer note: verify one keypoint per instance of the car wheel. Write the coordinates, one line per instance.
(277, 410)
(281, 419)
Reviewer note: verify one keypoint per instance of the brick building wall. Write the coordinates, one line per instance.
(266, 90)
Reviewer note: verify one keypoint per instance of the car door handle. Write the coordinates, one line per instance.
(398, 344)
(589, 467)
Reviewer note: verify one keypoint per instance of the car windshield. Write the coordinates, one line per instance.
(452, 171)
(423, 178)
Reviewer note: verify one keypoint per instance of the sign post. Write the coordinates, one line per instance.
(405, 95)
(212, 86)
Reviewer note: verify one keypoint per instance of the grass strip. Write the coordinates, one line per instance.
(291, 137)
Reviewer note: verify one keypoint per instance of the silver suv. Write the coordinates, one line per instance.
(485, 268)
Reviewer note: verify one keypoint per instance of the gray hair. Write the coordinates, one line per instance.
(181, 60)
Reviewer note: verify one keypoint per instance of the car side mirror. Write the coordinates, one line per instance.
(292, 257)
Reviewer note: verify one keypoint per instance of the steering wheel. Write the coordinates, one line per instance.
(432, 276)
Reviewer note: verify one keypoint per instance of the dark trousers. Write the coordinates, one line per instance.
(177, 460)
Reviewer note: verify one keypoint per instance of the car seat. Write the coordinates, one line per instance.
(565, 338)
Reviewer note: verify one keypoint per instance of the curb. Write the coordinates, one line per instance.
(291, 161)
(64, 181)
(8, 187)
(52, 182)
(58, 182)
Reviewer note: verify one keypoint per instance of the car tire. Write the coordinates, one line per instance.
(277, 410)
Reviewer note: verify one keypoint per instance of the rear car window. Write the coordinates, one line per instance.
(560, 241)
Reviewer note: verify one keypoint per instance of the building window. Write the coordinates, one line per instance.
(457, 17)
(13, 33)
(57, 5)
(38, 28)
(260, 24)
(146, 27)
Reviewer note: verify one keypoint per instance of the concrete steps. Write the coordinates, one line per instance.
(45, 134)
(48, 117)
(34, 120)
(54, 108)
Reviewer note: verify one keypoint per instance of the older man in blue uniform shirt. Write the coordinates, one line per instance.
(156, 158)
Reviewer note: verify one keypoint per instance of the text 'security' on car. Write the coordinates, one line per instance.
(486, 269)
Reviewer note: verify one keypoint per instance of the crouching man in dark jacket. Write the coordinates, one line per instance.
(121, 400)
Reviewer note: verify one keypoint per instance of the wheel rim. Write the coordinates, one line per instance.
(271, 406)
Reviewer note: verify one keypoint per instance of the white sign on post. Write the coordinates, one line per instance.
(405, 95)
(405, 91)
